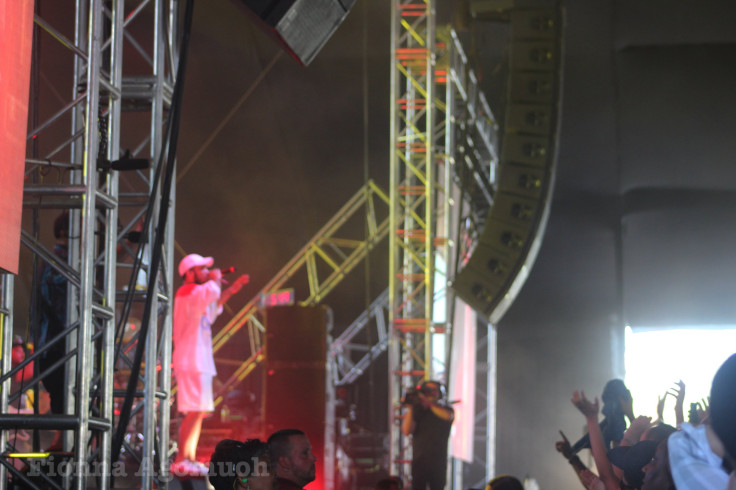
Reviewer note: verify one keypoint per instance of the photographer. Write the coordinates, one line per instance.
(429, 420)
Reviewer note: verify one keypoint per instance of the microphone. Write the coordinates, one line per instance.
(227, 270)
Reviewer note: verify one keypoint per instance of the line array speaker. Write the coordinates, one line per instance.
(499, 264)
(302, 27)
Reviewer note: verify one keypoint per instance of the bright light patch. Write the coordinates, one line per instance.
(657, 358)
(439, 297)
(439, 315)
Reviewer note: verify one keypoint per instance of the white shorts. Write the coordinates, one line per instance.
(194, 391)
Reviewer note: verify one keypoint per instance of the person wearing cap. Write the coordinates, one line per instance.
(197, 304)
(657, 474)
(632, 460)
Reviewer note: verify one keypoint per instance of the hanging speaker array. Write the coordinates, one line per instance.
(302, 27)
(508, 244)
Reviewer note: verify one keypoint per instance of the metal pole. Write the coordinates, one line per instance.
(6, 324)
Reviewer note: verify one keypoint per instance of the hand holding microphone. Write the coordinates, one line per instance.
(237, 285)
(217, 274)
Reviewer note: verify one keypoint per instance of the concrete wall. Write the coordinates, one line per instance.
(642, 217)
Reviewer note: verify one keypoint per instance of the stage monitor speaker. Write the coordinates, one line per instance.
(298, 393)
(302, 27)
(512, 232)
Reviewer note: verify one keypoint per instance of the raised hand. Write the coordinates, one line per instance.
(243, 280)
(236, 286)
(642, 422)
(239, 283)
(660, 405)
(638, 426)
(564, 447)
(678, 391)
(586, 407)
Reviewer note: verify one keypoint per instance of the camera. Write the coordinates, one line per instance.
(693, 414)
(411, 397)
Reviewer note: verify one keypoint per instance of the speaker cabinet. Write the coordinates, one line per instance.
(302, 27)
(298, 392)
(513, 229)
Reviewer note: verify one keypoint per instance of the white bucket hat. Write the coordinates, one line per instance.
(194, 260)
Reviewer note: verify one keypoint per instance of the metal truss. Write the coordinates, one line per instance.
(482, 468)
(77, 163)
(352, 352)
(317, 268)
(320, 265)
(413, 213)
(6, 323)
(467, 133)
(442, 131)
(471, 142)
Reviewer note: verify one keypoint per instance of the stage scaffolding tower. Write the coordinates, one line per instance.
(417, 236)
(102, 80)
(443, 168)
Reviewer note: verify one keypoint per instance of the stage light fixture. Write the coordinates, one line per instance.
(124, 164)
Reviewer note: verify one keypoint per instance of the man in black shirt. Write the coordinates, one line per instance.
(429, 421)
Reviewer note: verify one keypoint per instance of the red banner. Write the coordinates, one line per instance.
(16, 29)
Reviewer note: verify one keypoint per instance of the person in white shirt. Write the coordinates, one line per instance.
(197, 304)
(697, 453)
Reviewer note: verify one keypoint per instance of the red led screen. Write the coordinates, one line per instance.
(16, 28)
